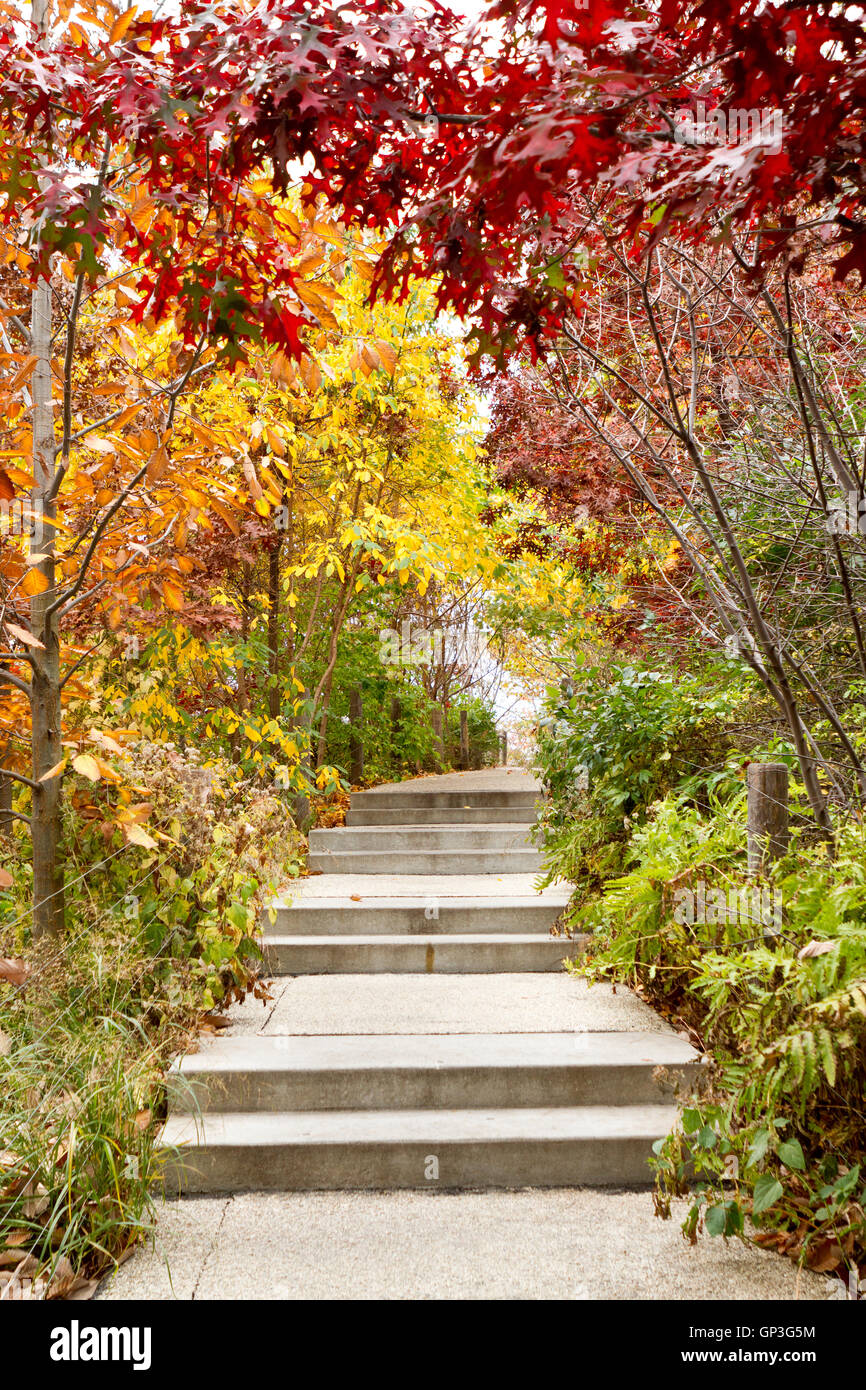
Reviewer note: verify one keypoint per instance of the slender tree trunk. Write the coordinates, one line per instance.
(356, 742)
(6, 816)
(48, 904)
(274, 700)
(323, 723)
(396, 713)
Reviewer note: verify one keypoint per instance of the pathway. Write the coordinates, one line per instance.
(422, 1035)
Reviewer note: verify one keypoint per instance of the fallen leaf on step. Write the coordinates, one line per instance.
(355, 897)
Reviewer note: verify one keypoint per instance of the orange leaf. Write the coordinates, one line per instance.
(311, 374)
(388, 355)
(120, 25)
(226, 515)
(173, 595)
(128, 414)
(34, 582)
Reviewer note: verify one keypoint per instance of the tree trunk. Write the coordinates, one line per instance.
(274, 700)
(6, 817)
(438, 738)
(464, 739)
(45, 712)
(395, 730)
(356, 744)
(323, 723)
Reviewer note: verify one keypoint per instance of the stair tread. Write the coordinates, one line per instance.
(419, 938)
(464, 890)
(431, 1052)
(401, 1127)
(501, 828)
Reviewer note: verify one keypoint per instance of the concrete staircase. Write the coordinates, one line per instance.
(432, 877)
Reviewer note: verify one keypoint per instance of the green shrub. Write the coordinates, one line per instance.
(613, 745)
(158, 935)
(776, 1136)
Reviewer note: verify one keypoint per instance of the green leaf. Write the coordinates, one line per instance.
(767, 1191)
(791, 1154)
(708, 1138)
(716, 1219)
(758, 1148)
(724, 1219)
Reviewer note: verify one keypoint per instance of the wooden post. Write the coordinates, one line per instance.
(395, 729)
(356, 743)
(438, 740)
(503, 743)
(464, 739)
(767, 813)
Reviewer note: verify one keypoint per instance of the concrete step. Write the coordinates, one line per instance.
(418, 916)
(481, 953)
(413, 838)
(436, 861)
(440, 815)
(423, 1071)
(425, 799)
(292, 1151)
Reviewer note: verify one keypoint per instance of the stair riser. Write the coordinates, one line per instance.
(422, 801)
(442, 957)
(385, 921)
(458, 1088)
(620, 1162)
(516, 861)
(500, 840)
(441, 815)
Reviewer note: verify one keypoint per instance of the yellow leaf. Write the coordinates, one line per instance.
(135, 835)
(87, 766)
(54, 771)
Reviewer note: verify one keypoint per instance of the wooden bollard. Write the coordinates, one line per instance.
(503, 743)
(767, 814)
(356, 743)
